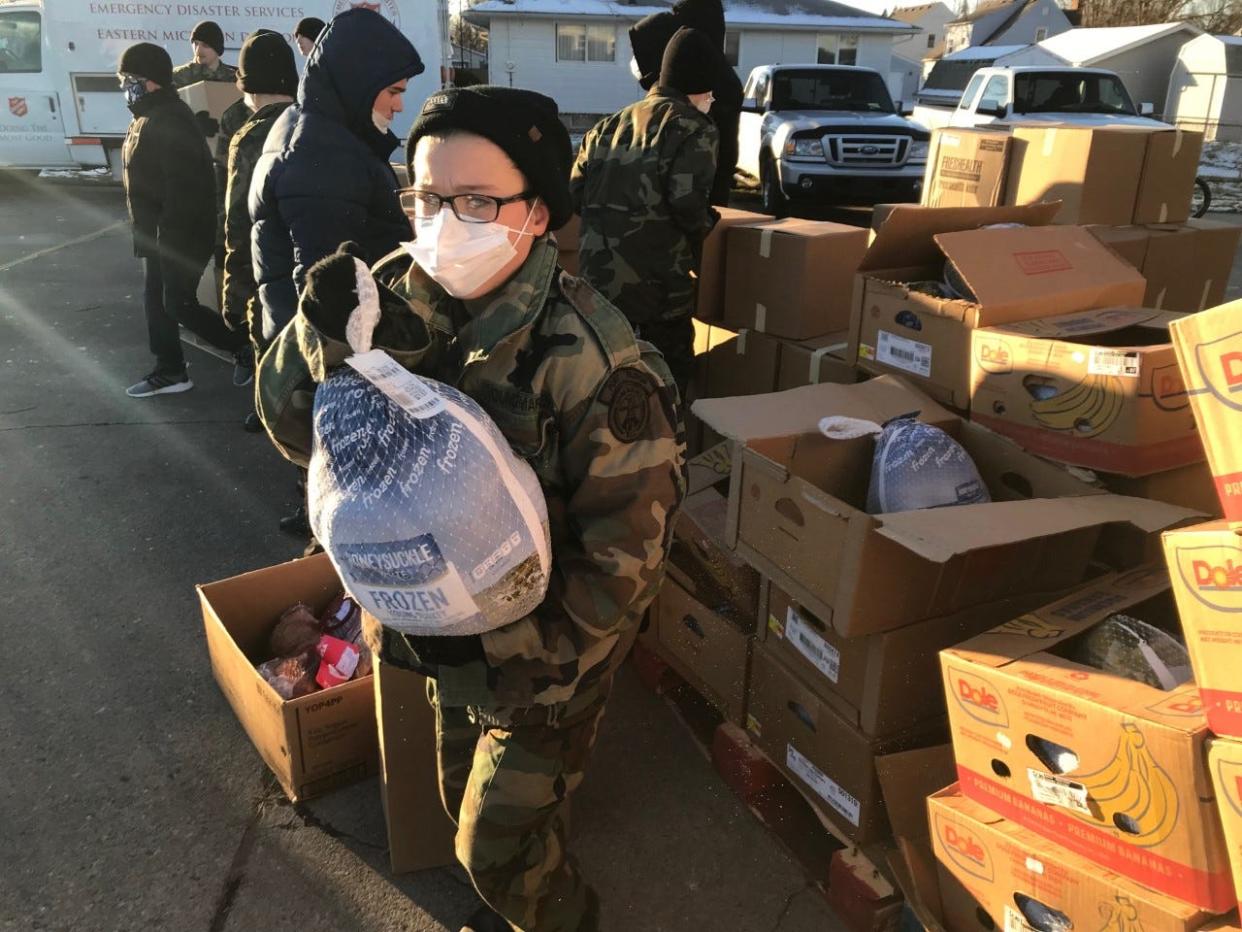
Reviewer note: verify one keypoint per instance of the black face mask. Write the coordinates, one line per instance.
(134, 89)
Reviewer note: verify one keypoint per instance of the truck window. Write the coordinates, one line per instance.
(972, 89)
(1070, 92)
(994, 94)
(855, 90)
(21, 37)
(761, 89)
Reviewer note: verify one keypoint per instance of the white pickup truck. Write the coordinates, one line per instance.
(1032, 94)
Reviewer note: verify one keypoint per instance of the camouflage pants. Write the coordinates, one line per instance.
(506, 777)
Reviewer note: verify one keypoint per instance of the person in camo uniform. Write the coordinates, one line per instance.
(592, 410)
(207, 41)
(642, 184)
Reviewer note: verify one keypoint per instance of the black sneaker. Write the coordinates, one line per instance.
(252, 424)
(160, 383)
(243, 368)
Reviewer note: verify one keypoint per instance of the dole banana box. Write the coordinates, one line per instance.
(1205, 564)
(1209, 351)
(1021, 882)
(1110, 768)
(1225, 762)
(1100, 389)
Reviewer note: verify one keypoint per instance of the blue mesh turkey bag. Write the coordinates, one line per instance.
(434, 524)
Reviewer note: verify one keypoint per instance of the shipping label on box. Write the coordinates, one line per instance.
(1109, 767)
(1025, 883)
(1225, 762)
(1209, 351)
(966, 168)
(1099, 389)
(1205, 565)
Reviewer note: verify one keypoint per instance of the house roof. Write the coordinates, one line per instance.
(912, 14)
(988, 8)
(1088, 46)
(983, 52)
(783, 14)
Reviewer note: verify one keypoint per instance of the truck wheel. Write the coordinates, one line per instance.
(1201, 199)
(772, 198)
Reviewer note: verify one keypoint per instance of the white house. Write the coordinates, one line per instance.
(1006, 22)
(910, 52)
(1142, 56)
(1205, 87)
(578, 51)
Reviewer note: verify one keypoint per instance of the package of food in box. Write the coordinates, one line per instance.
(1024, 882)
(699, 551)
(1105, 174)
(1187, 266)
(810, 362)
(908, 321)
(1209, 352)
(420, 833)
(567, 244)
(880, 683)
(1225, 762)
(1099, 389)
(743, 365)
(1205, 564)
(797, 513)
(832, 763)
(1188, 486)
(212, 98)
(792, 278)
(1081, 721)
(314, 743)
(712, 275)
(708, 645)
(966, 168)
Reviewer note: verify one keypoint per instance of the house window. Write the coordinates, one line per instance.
(580, 42)
(733, 47)
(1041, 34)
(837, 49)
(931, 40)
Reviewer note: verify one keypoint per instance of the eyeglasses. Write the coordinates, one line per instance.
(469, 208)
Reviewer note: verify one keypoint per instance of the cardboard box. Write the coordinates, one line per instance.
(744, 365)
(792, 278)
(796, 513)
(1225, 762)
(213, 97)
(1105, 174)
(708, 648)
(1099, 389)
(1209, 352)
(712, 266)
(833, 764)
(1022, 882)
(710, 469)
(1188, 487)
(966, 168)
(313, 744)
(1205, 564)
(1110, 768)
(810, 362)
(567, 244)
(699, 551)
(1187, 266)
(420, 833)
(881, 684)
(1016, 275)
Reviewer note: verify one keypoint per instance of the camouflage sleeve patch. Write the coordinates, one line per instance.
(627, 396)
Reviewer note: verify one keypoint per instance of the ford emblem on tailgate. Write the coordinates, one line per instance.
(870, 150)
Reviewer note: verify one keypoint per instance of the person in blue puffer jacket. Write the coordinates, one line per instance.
(324, 178)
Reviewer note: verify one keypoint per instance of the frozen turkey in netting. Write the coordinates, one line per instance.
(434, 524)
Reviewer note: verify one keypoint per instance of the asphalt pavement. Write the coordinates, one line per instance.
(129, 796)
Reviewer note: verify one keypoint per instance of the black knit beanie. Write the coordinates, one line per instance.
(309, 28)
(649, 38)
(147, 60)
(210, 34)
(524, 124)
(265, 65)
(704, 15)
(691, 63)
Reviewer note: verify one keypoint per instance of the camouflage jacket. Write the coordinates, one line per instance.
(642, 184)
(245, 147)
(192, 72)
(595, 414)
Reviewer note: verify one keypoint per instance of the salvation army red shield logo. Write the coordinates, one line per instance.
(17, 106)
(386, 8)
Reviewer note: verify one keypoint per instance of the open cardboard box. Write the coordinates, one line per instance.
(966, 168)
(1022, 882)
(1108, 767)
(313, 744)
(1187, 265)
(699, 552)
(797, 514)
(1209, 352)
(1099, 389)
(1225, 762)
(1187, 486)
(1016, 274)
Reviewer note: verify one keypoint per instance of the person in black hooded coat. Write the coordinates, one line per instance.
(648, 39)
(324, 177)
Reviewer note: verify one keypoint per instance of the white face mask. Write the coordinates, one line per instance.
(635, 70)
(705, 105)
(463, 257)
(381, 122)
(249, 101)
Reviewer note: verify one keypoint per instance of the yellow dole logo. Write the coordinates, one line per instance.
(1213, 575)
(1132, 793)
(1219, 363)
(1168, 389)
(977, 697)
(964, 848)
(994, 355)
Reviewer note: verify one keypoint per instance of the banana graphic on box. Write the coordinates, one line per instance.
(1133, 793)
(1121, 916)
(1088, 409)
